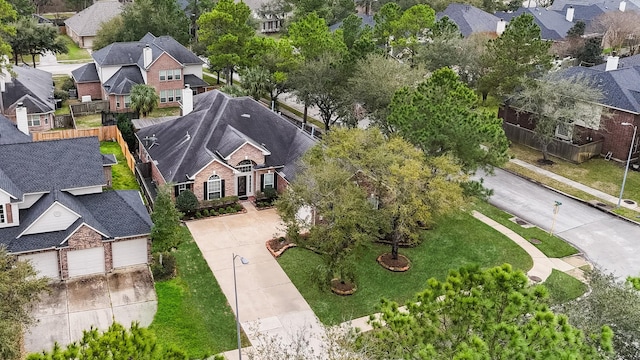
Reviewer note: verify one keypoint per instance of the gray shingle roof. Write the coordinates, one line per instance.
(585, 13)
(123, 80)
(116, 214)
(213, 113)
(88, 21)
(130, 53)
(553, 25)
(470, 19)
(9, 133)
(33, 87)
(606, 5)
(57, 164)
(194, 81)
(367, 20)
(109, 159)
(86, 73)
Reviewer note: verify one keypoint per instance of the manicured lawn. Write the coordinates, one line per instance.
(88, 121)
(193, 313)
(563, 287)
(162, 112)
(74, 52)
(458, 240)
(122, 177)
(551, 246)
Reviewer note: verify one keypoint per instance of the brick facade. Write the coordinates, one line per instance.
(84, 238)
(46, 121)
(93, 89)
(221, 170)
(246, 152)
(108, 256)
(165, 62)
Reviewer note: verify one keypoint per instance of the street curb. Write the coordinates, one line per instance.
(572, 197)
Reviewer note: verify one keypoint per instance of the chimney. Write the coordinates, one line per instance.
(569, 16)
(623, 6)
(187, 100)
(612, 63)
(502, 25)
(21, 118)
(147, 56)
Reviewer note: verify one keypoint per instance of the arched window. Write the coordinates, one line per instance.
(245, 166)
(214, 187)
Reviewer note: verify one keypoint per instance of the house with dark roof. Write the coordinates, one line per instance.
(10, 134)
(367, 20)
(471, 20)
(83, 26)
(553, 25)
(161, 62)
(225, 147)
(28, 94)
(619, 81)
(54, 212)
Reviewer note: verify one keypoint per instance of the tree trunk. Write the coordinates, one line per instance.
(304, 114)
(15, 58)
(33, 60)
(218, 81)
(545, 152)
(231, 76)
(395, 240)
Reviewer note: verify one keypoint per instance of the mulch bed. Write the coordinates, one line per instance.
(545, 162)
(277, 246)
(400, 264)
(343, 288)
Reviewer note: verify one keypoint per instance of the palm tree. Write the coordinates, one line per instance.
(143, 99)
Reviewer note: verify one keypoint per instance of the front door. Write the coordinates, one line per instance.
(242, 185)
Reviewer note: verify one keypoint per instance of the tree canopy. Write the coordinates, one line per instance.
(19, 288)
(7, 15)
(481, 314)
(143, 99)
(165, 232)
(439, 117)
(33, 39)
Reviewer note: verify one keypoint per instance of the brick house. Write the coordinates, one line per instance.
(83, 26)
(619, 80)
(224, 147)
(26, 98)
(160, 62)
(54, 213)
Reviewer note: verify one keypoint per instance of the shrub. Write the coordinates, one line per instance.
(214, 213)
(231, 209)
(270, 194)
(198, 215)
(205, 212)
(187, 201)
(67, 84)
(165, 270)
(60, 94)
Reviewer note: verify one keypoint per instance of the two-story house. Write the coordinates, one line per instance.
(225, 147)
(28, 93)
(54, 212)
(160, 62)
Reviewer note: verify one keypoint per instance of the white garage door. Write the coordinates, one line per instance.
(86, 262)
(129, 252)
(46, 263)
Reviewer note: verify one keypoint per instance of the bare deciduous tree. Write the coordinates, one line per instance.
(620, 29)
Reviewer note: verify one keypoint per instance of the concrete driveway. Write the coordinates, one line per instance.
(270, 305)
(73, 306)
(609, 242)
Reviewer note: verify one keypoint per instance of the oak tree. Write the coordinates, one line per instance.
(34, 39)
(7, 16)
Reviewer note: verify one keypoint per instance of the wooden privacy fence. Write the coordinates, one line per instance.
(104, 133)
(558, 148)
(87, 108)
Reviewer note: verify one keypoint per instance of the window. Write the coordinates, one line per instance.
(214, 187)
(373, 200)
(3, 218)
(170, 95)
(181, 188)
(177, 74)
(563, 131)
(117, 102)
(178, 94)
(245, 166)
(268, 181)
(34, 120)
(169, 75)
(163, 96)
(127, 101)
(163, 75)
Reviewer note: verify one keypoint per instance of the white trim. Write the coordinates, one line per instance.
(193, 177)
(11, 196)
(43, 213)
(76, 230)
(82, 187)
(264, 152)
(146, 69)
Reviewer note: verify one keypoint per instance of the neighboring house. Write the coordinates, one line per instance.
(619, 80)
(225, 147)
(160, 62)
(53, 210)
(553, 25)
(471, 20)
(83, 26)
(587, 10)
(29, 96)
(367, 20)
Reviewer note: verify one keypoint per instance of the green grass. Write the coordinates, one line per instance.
(122, 177)
(166, 111)
(74, 53)
(563, 287)
(552, 246)
(88, 121)
(193, 313)
(459, 240)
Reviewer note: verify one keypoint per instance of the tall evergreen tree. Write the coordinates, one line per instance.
(165, 232)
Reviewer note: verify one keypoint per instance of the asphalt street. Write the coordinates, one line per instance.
(610, 243)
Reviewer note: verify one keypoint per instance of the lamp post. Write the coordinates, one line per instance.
(235, 291)
(626, 169)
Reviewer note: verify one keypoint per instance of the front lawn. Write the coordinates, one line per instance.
(193, 313)
(563, 287)
(75, 53)
(552, 246)
(122, 176)
(459, 240)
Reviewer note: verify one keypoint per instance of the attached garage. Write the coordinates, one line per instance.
(129, 252)
(86, 262)
(46, 263)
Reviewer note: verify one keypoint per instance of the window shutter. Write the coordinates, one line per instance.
(175, 191)
(190, 187)
(262, 183)
(8, 214)
(275, 181)
(221, 188)
(205, 197)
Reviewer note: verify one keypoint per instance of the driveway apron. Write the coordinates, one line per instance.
(269, 304)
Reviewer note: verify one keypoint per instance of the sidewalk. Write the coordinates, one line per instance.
(597, 193)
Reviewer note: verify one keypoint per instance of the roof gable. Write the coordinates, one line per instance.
(88, 21)
(123, 80)
(56, 218)
(33, 87)
(470, 19)
(86, 73)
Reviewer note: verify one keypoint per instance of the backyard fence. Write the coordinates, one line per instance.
(558, 148)
(64, 121)
(87, 108)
